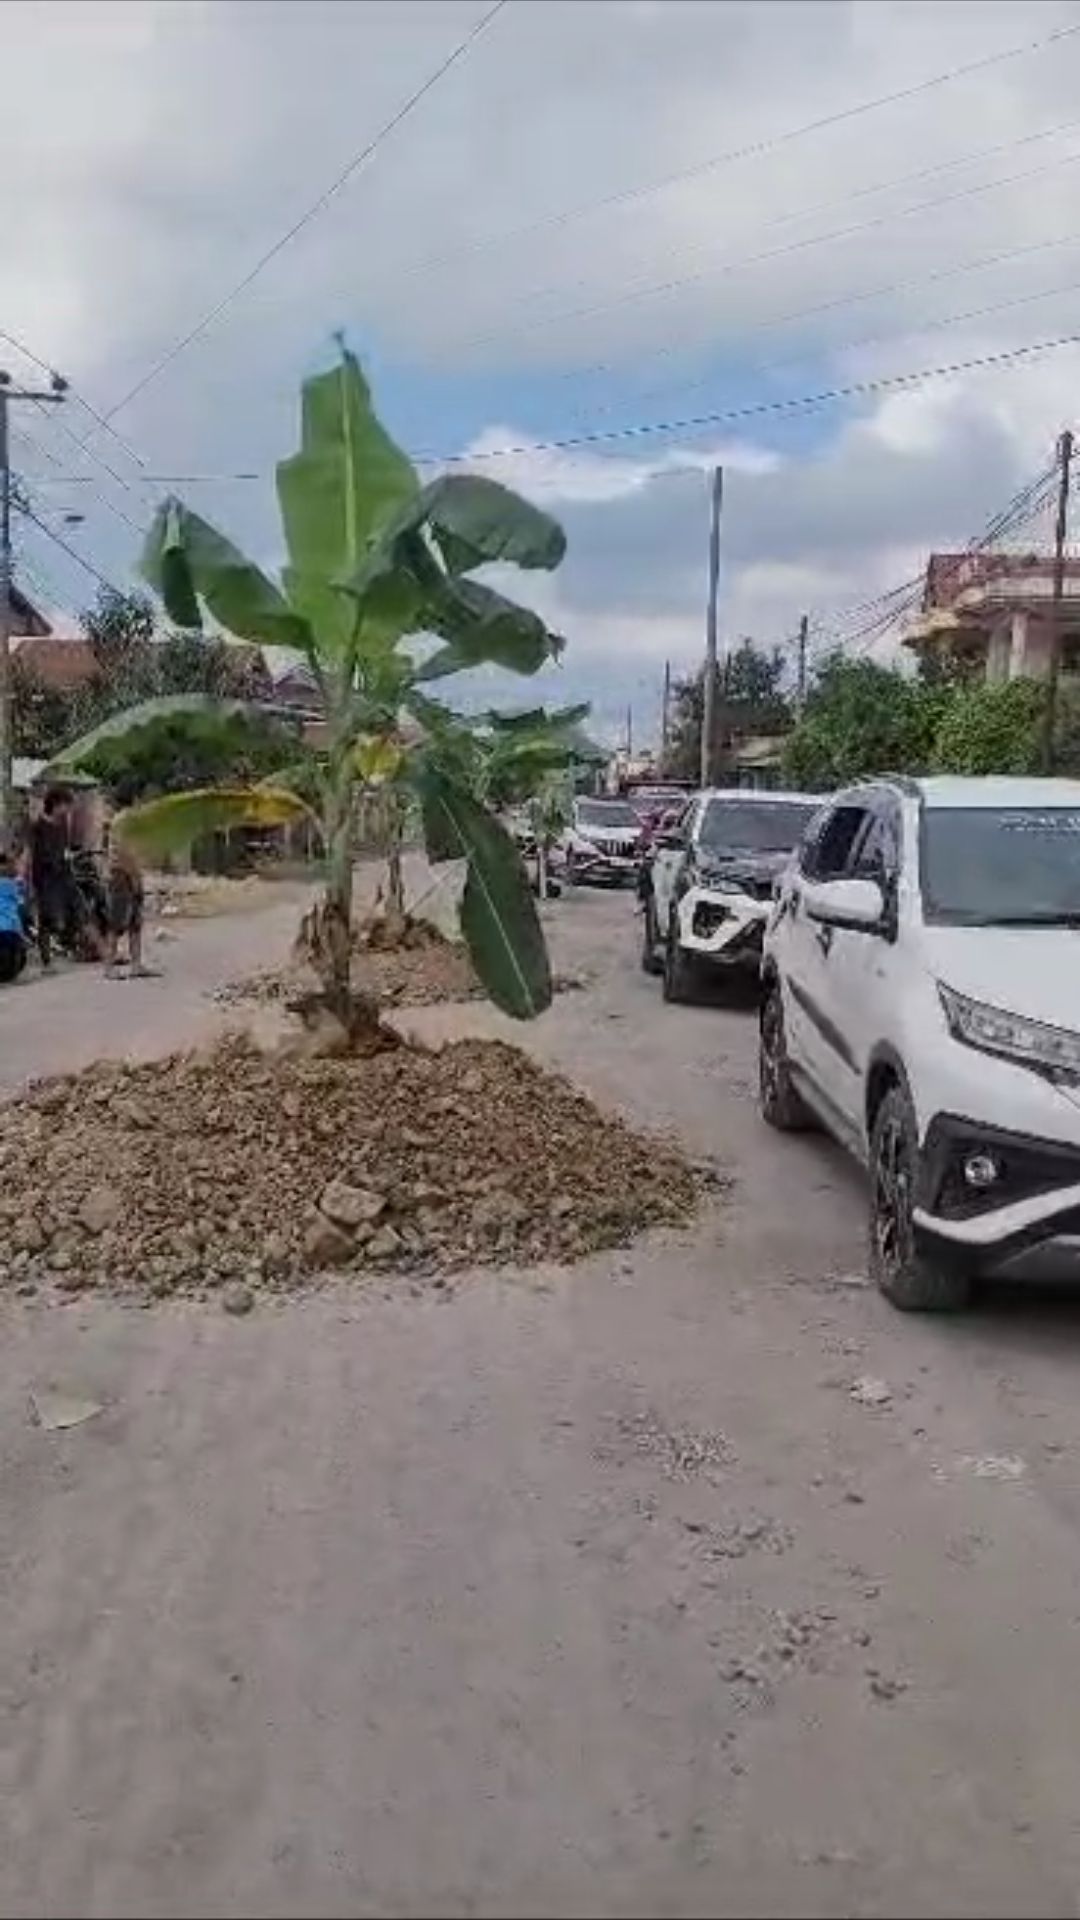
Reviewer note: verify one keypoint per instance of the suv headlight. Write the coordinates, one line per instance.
(1012, 1036)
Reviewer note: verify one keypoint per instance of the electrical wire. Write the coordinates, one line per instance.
(65, 546)
(751, 151)
(85, 479)
(740, 263)
(802, 403)
(44, 367)
(358, 161)
(968, 159)
(767, 322)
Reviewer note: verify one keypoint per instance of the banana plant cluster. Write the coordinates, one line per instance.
(378, 595)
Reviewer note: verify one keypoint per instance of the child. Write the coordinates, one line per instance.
(124, 896)
(12, 921)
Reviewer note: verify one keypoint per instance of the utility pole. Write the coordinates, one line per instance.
(629, 735)
(8, 393)
(800, 683)
(708, 701)
(1061, 530)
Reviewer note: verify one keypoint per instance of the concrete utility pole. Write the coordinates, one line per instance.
(665, 716)
(1061, 531)
(8, 393)
(708, 691)
(800, 682)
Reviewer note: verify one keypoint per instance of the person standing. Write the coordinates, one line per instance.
(12, 921)
(55, 905)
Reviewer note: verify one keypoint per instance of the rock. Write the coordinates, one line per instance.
(326, 1245)
(349, 1206)
(498, 1209)
(237, 1298)
(100, 1209)
(275, 1252)
(383, 1245)
(27, 1236)
(72, 1280)
(869, 1392)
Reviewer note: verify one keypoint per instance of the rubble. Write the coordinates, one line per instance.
(234, 1169)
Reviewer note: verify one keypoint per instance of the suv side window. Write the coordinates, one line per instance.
(825, 856)
(877, 855)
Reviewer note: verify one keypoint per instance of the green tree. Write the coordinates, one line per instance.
(43, 716)
(862, 719)
(376, 563)
(994, 727)
(750, 700)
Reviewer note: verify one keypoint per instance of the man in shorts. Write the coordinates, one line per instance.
(56, 905)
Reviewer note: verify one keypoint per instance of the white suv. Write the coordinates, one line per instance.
(921, 999)
(708, 883)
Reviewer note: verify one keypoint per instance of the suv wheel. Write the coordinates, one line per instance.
(781, 1106)
(650, 939)
(679, 969)
(913, 1282)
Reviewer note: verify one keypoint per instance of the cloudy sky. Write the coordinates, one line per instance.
(608, 213)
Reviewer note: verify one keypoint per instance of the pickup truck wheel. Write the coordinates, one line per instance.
(907, 1277)
(680, 972)
(781, 1105)
(650, 938)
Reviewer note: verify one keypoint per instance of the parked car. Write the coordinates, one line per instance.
(708, 883)
(602, 842)
(922, 1001)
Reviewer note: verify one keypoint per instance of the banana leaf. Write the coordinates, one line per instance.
(119, 726)
(173, 823)
(480, 625)
(347, 482)
(498, 915)
(187, 560)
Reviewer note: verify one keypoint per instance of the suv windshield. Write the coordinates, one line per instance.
(754, 826)
(606, 813)
(1001, 867)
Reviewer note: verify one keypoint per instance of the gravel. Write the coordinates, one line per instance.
(232, 1169)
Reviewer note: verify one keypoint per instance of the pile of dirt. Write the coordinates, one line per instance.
(398, 977)
(233, 1168)
(419, 975)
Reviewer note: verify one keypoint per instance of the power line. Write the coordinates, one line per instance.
(359, 160)
(65, 546)
(968, 159)
(84, 479)
(857, 389)
(738, 265)
(44, 367)
(922, 327)
(921, 280)
(749, 152)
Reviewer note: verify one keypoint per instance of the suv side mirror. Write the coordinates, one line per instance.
(857, 904)
(671, 840)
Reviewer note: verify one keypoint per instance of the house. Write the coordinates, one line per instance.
(24, 617)
(63, 662)
(991, 613)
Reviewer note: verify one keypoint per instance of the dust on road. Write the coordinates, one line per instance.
(604, 1591)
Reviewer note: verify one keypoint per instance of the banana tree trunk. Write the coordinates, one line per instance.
(395, 917)
(327, 937)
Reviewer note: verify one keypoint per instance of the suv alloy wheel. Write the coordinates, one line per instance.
(650, 938)
(679, 970)
(781, 1106)
(912, 1281)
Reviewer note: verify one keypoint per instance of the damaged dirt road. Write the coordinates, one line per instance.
(692, 1580)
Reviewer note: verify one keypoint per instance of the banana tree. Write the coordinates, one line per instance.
(378, 567)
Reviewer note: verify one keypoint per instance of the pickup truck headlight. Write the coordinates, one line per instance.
(1054, 1051)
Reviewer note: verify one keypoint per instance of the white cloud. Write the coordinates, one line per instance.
(152, 152)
